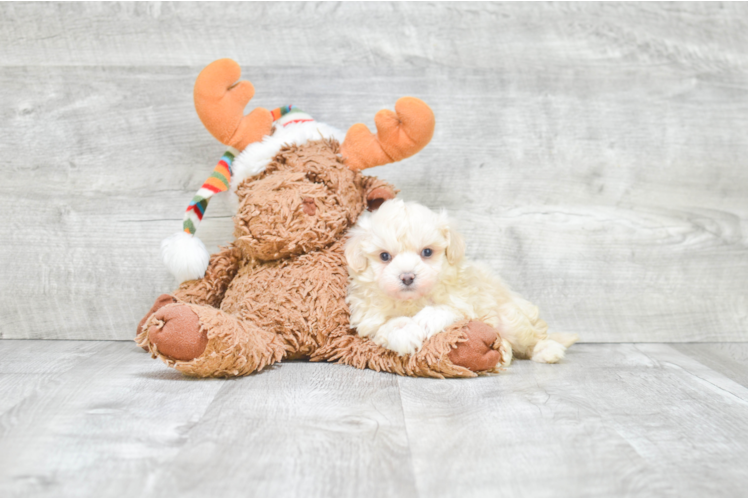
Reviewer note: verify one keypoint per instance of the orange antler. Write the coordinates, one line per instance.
(220, 102)
(399, 135)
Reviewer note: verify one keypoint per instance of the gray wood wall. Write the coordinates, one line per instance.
(594, 154)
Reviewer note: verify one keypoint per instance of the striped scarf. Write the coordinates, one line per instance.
(218, 182)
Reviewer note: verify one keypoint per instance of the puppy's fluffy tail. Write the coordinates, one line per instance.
(565, 339)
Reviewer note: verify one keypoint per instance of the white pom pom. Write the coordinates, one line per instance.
(185, 256)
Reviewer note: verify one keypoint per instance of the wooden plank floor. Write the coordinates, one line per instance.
(100, 418)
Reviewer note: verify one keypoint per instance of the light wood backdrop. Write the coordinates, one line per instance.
(594, 154)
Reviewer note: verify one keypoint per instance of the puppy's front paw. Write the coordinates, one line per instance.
(404, 336)
(434, 319)
(548, 351)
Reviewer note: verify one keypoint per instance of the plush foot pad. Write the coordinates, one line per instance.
(161, 301)
(477, 353)
(177, 334)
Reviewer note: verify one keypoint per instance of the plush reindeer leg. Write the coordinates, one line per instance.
(399, 135)
(210, 289)
(206, 342)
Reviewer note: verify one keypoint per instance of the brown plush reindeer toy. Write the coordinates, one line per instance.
(278, 291)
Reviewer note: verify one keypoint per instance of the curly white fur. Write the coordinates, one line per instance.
(406, 296)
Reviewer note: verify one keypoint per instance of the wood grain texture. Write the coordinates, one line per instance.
(116, 414)
(464, 35)
(300, 429)
(728, 358)
(103, 419)
(594, 154)
(612, 420)
(29, 367)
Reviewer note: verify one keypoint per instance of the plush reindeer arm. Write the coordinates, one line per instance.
(210, 289)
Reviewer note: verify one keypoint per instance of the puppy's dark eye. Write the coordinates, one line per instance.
(427, 252)
(385, 256)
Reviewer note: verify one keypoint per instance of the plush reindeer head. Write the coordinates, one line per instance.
(297, 187)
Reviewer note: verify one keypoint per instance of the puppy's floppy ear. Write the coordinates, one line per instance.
(456, 247)
(455, 250)
(354, 251)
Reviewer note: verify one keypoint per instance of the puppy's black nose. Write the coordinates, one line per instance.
(407, 278)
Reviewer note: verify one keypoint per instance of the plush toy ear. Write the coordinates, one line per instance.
(456, 247)
(377, 196)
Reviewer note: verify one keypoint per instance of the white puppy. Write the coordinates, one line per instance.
(409, 280)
